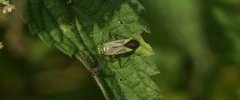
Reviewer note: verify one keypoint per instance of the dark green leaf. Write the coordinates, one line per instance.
(80, 27)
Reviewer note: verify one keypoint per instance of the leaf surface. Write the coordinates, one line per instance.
(80, 27)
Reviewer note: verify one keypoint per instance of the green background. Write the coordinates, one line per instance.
(196, 44)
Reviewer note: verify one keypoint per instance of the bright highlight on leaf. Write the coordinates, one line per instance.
(6, 7)
(1, 45)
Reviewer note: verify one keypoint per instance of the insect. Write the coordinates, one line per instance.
(119, 47)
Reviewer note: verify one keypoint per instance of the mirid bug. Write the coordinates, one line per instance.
(119, 47)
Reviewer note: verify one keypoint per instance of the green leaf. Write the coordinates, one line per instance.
(80, 27)
(226, 13)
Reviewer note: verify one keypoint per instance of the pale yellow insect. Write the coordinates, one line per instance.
(119, 47)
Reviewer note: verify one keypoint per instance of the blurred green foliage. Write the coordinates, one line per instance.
(43, 73)
(197, 45)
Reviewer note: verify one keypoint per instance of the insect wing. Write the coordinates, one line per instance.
(119, 50)
(116, 47)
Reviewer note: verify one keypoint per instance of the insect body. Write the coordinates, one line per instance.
(119, 47)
